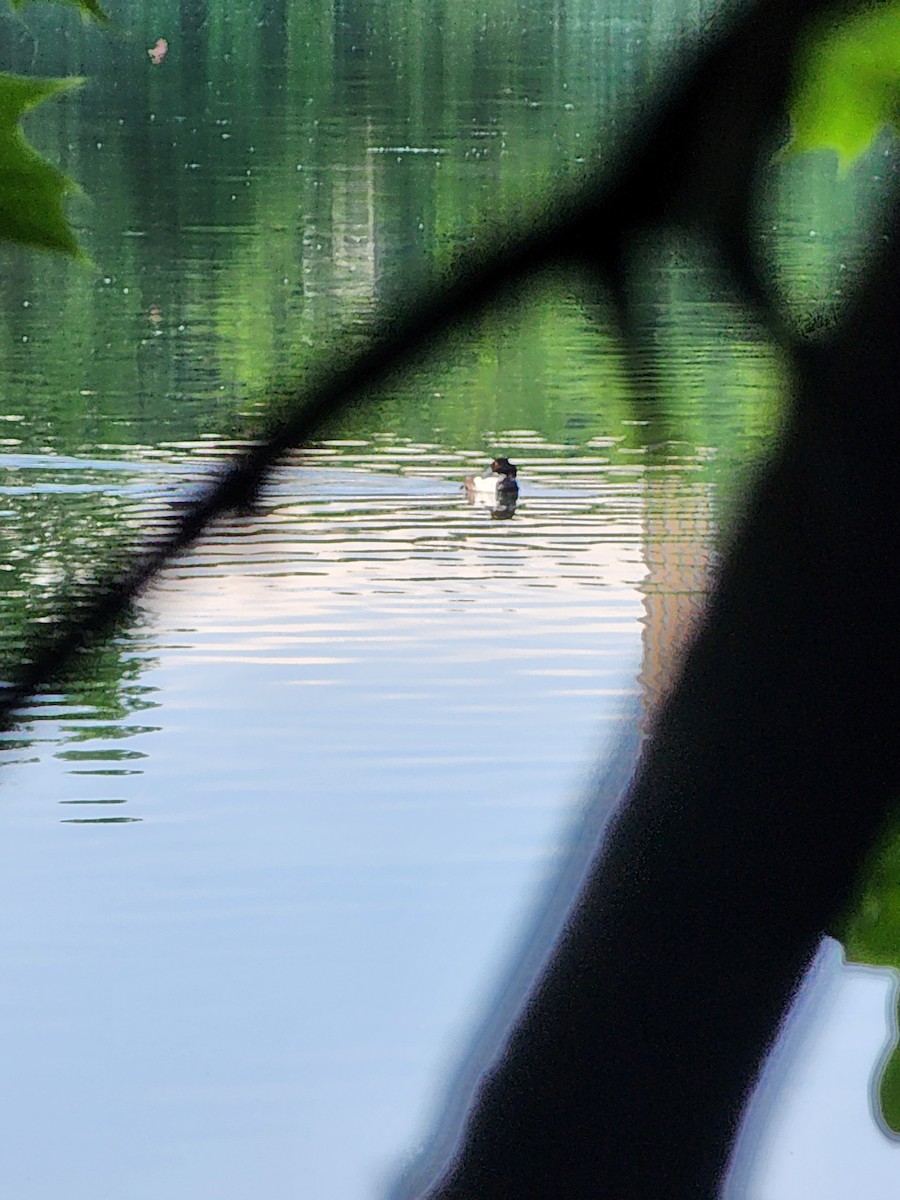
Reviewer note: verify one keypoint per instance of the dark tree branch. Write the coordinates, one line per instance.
(768, 774)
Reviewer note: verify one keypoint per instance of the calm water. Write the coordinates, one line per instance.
(334, 752)
(263, 865)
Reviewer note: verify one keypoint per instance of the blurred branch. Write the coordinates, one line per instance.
(767, 776)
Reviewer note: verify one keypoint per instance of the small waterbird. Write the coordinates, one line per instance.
(497, 483)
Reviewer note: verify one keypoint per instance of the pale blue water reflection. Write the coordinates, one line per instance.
(347, 790)
(253, 912)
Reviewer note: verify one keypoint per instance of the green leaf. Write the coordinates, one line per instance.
(89, 8)
(847, 83)
(870, 932)
(889, 1092)
(31, 189)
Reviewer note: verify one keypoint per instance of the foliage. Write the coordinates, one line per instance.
(848, 83)
(870, 933)
(32, 190)
(89, 8)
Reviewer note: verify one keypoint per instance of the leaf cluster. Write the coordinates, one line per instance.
(32, 190)
(847, 83)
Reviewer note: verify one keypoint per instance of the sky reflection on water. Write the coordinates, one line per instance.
(348, 790)
(355, 733)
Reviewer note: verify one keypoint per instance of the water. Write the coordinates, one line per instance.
(262, 862)
(333, 733)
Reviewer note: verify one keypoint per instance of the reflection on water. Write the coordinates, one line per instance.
(307, 797)
(384, 531)
(336, 753)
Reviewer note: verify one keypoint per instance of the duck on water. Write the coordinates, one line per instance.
(498, 481)
(495, 489)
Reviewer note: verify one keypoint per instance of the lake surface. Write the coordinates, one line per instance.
(264, 863)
